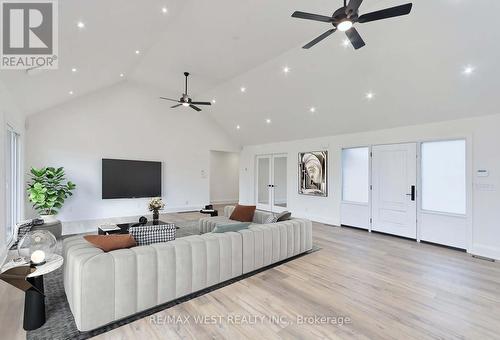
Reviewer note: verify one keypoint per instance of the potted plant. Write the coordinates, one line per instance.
(155, 205)
(47, 190)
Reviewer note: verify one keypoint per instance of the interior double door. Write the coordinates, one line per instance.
(394, 177)
(271, 182)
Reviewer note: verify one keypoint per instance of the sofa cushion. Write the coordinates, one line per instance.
(231, 227)
(243, 213)
(111, 242)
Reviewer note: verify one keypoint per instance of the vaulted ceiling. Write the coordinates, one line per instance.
(413, 65)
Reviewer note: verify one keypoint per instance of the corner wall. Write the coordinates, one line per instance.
(125, 121)
(482, 134)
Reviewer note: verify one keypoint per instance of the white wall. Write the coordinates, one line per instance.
(483, 138)
(224, 177)
(126, 122)
(9, 114)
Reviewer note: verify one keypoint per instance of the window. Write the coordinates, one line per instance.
(443, 176)
(12, 182)
(355, 174)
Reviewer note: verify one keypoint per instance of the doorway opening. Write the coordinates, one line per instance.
(224, 177)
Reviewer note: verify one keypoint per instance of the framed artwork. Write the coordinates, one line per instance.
(313, 173)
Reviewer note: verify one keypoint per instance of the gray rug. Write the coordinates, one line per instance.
(61, 325)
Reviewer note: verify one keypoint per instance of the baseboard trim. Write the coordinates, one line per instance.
(485, 251)
(233, 201)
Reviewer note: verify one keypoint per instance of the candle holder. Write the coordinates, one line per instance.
(37, 247)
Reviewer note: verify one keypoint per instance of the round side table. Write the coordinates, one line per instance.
(34, 298)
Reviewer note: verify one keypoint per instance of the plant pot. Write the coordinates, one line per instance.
(48, 218)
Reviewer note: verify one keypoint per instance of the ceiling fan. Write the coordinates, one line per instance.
(185, 99)
(345, 17)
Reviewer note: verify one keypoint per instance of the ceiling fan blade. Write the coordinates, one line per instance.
(173, 107)
(194, 107)
(173, 100)
(353, 6)
(310, 16)
(386, 13)
(318, 39)
(355, 38)
(201, 103)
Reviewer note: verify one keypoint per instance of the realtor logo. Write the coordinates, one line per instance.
(29, 34)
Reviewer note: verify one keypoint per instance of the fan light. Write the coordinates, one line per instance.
(185, 104)
(344, 25)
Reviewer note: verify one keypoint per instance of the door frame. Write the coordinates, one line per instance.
(469, 180)
(410, 208)
(269, 207)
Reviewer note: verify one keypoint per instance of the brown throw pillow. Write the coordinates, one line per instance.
(111, 242)
(243, 213)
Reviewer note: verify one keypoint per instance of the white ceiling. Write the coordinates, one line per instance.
(413, 64)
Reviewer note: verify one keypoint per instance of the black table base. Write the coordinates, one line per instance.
(34, 305)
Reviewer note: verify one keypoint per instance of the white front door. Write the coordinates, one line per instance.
(394, 177)
(271, 182)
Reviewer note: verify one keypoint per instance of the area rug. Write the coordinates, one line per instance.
(61, 325)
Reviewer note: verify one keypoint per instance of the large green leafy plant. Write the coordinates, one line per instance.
(48, 189)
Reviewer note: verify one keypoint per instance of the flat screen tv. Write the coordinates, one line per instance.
(130, 179)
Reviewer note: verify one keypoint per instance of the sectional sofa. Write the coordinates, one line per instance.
(105, 287)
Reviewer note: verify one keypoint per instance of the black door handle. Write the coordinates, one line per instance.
(412, 193)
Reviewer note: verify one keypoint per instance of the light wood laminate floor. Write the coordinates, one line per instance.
(389, 288)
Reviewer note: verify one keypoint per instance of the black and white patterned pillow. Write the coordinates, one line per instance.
(271, 219)
(145, 235)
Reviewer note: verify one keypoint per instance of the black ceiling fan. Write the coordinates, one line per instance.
(185, 100)
(345, 17)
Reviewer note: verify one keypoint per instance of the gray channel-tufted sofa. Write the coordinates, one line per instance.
(104, 287)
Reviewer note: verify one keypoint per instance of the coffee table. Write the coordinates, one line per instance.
(124, 227)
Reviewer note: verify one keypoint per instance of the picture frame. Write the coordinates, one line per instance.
(313, 173)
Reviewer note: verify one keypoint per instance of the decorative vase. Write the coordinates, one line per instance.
(156, 215)
(48, 218)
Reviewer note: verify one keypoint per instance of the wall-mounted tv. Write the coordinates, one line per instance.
(130, 179)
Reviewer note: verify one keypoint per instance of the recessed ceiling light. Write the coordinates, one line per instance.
(286, 69)
(243, 89)
(70, 92)
(345, 42)
(74, 69)
(344, 25)
(164, 10)
(268, 121)
(137, 52)
(122, 75)
(80, 24)
(370, 95)
(468, 70)
(237, 127)
(312, 109)
(213, 101)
